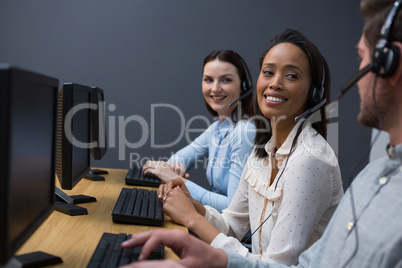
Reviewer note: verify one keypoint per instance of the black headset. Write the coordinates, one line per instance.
(315, 97)
(316, 94)
(385, 57)
(246, 86)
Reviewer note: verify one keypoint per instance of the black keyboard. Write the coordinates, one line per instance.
(134, 177)
(138, 206)
(109, 253)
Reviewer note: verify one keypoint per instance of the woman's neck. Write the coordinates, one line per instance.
(281, 130)
(222, 118)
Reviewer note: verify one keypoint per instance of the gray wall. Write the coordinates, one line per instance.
(149, 52)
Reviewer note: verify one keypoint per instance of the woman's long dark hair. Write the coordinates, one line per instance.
(247, 104)
(318, 65)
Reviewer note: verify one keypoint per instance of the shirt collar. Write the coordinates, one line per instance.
(285, 148)
(395, 152)
(223, 127)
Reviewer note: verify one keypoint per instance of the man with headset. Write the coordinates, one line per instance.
(365, 230)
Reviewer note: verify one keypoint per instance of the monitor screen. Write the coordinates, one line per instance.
(98, 125)
(27, 145)
(73, 134)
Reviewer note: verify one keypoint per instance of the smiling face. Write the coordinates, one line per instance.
(221, 86)
(283, 83)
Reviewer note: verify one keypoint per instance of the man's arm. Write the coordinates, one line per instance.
(192, 251)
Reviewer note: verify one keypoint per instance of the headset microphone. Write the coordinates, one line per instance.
(245, 94)
(354, 79)
(311, 110)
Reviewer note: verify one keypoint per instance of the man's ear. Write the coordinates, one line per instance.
(397, 76)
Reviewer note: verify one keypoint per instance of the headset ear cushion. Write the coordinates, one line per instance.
(391, 60)
(315, 94)
(312, 94)
(246, 86)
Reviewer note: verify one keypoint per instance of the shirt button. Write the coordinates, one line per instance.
(350, 225)
(383, 180)
(390, 150)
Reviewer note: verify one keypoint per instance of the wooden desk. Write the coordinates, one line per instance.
(74, 238)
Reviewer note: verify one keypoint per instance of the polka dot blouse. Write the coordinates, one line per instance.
(296, 206)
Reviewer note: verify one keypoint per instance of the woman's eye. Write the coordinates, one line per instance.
(267, 72)
(292, 76)
(227, 80)
(207, 80)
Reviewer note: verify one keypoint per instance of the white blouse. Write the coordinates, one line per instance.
(298, 206)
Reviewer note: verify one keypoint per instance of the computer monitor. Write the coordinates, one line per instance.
(73, 145)
(27, 146)
(98, 128)
(98, 125)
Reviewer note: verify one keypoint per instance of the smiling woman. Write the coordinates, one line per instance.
(287, 86)
(283, 84)
(221, 86)
(291, 183)
(228, 142)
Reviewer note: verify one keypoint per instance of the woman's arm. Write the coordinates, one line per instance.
(233, 221)
(165, 171)
(182, 160)
(196, 150)
(180, 208)
(231, 160)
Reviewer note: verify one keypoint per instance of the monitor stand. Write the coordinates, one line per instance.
(93, 175)
(98, 171)
(65, 203)
(34, 260)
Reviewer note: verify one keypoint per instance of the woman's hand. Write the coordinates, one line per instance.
(179, 207)
(178, 182)
(165, 188)
(165, 171)
(179, 168)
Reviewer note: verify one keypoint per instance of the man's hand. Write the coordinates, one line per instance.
(192, 251)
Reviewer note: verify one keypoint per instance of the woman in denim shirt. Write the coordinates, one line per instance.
(226, 143)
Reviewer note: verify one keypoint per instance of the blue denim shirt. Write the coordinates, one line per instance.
(369, 237)
(227, 146)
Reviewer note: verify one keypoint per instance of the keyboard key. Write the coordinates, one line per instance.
(138, 203)
(117, 250)
(151, 207)
(144, 207)
(131, 201)
(121, 201)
